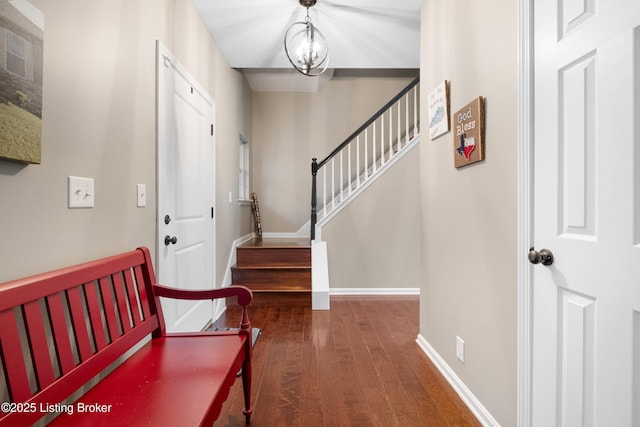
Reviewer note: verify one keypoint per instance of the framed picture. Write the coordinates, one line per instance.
(439, 122)
(22, 34)
(468, 141)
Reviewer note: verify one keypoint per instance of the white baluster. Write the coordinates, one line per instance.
(349, 168)
(373, 145)
(341, 183)
(391, 132)
(382, 162)
(358, 158)
(399, 142)
(366, 154)
(333, 183)
(325, 208)
(416, 93)
(406, 128)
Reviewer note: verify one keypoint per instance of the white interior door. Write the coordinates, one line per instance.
(586, 305)
(186, 227)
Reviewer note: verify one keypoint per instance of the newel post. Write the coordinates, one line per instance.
(314, 214)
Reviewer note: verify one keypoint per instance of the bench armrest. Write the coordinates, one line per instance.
(244, 294)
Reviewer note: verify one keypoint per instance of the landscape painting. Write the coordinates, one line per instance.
(21, 53)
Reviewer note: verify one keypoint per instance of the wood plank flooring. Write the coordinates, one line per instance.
(355, 365)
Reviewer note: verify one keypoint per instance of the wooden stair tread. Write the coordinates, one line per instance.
(273, 265)
(277, 242)
(270, 287)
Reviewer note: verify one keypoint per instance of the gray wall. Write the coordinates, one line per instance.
(374, 242)
(469, 277)
(99, 122)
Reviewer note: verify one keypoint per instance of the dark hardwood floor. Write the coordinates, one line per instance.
(355, 365)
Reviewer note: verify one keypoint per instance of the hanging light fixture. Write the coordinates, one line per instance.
(305, 46)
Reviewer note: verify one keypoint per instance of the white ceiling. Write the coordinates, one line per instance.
(361, 34)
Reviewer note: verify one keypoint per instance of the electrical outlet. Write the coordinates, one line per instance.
(460, 349)
(80, 191)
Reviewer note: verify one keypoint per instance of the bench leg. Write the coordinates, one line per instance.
(246, 385)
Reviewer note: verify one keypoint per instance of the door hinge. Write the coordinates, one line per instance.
(212, 212)
(211, 129)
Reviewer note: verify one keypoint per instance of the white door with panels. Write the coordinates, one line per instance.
(186, 227)
(586, 214)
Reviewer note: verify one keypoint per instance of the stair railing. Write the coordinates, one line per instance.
(354, 162)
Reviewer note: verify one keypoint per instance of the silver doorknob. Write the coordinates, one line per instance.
(168, 240)
(544, 257)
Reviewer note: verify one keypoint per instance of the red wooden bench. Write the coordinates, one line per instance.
(58, 330)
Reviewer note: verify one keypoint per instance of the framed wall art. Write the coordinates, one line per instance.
(439, 122)
(468, 126)
(21, 48)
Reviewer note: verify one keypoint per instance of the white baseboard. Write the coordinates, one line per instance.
(374, 291)
(465, 394)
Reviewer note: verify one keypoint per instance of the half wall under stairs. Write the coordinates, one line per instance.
(273, 265)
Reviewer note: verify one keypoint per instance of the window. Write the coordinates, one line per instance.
(16, 54)
(244, 178)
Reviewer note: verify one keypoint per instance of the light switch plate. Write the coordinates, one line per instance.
(141, 190)
(80, 192)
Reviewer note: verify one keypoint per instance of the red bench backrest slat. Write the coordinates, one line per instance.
(95, 315)
(61, 335)
(38, 344)
(74, 298)
(142, 292)
(133, 300)
(123, 310)
(109, 309)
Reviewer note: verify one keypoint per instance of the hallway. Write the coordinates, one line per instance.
(355, 365)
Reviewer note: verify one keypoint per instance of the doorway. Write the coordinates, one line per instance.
(579, 328)
(186, 189)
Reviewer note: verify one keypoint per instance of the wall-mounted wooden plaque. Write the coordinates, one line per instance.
(468, 126)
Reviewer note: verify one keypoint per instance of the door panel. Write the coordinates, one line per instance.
(185, 192)
(586, 345)
(576, 146)
(190, 262)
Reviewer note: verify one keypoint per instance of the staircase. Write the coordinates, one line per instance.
(273, 265)
(364, 156)
(352, 167)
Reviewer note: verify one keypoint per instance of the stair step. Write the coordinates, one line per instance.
(273, 256)
(270, 287)
(273, 278)
(273, 265)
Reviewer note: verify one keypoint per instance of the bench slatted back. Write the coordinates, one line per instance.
(59, 329)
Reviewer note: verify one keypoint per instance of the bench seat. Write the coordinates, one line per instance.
(156, 387)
